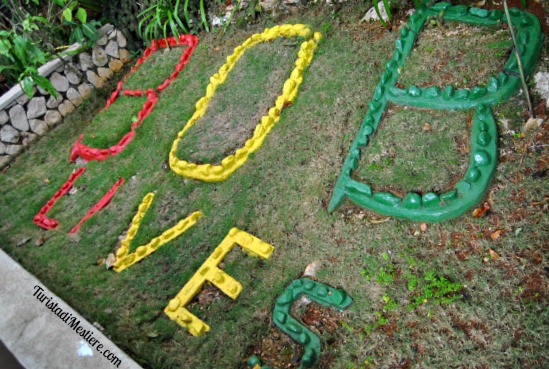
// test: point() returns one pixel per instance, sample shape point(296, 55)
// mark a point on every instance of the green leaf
point(5, 47)
point(45, 84)
point(67, 14)
point(203, 16)
point(27, 85)
point(90, 31)
point(77, 35)
point(82, 15)
point(7, 67)
point(36, 18)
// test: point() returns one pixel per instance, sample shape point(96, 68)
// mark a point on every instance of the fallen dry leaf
point(426, 127)
point(110, 260)
point(496, 235)
point(481, 211)
point(379, 221)
point(310, 270)
point(531, 124)
point(40, 241)
point(23, 241)
point(47, 181)
point(494, 255)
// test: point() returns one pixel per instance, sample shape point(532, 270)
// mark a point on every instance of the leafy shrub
point(33, 31)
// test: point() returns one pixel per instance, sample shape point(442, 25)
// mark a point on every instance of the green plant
point(20, 59)
point(159, 17)
point(34, 32)
point(438, 290)
point(163, 18)
point(82, 30)
point(387, 9)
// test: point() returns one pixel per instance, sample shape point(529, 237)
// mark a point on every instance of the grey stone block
point(59, 82)
point(18, 118)
point(9, 134)
point(36, 107)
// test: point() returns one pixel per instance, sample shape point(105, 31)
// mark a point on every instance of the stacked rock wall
point(23, 120)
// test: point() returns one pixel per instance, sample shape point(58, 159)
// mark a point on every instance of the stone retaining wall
point(23, 120)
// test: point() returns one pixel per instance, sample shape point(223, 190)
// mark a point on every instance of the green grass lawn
point(406, 311)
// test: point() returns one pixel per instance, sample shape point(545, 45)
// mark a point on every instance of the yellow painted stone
point(210, 272)
point(217, 173)
point(125, 259)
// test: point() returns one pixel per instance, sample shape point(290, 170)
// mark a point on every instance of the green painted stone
point(502, 77)
point(448, 92)
point(378, 93)
point(303, 338)
point(459, 9)
point(477, 92)
point(399, 45)
point(483, 138)
point(522, 37)
point(385, 77)
point(359, 188)
point(285, 298)
point(525, 21)
point(253, 361)
point(493, 84)
point(430, 199)
point(414, 91)
point(319, 292)
point(362, 140)
point(322, 291)
point(432, 92)
point(473, 175)
point(482, 13)
point(373, 106)
point(295, 328)
point(441, 6)
point(368, 130)
point(280, 317)
point(449, 196)
point(387, 198)
point(514, 11)
point(495, 14)
point(461, 94)
point(412, 201)
point(482, 158)
point(463, 187)
point(395, 91)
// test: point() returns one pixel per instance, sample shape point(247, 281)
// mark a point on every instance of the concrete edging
point(40, 339)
